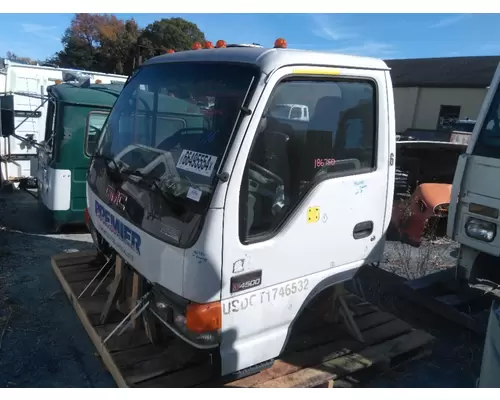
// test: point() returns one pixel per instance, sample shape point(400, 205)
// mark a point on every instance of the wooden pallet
point(318, 355)
point(461, 302)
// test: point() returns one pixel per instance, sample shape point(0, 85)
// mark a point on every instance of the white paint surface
point(54, 188)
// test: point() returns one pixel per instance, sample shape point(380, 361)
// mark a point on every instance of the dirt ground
point(43, 344)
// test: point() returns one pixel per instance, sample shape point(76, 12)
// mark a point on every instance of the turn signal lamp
point(170, 51)
point(202, 318)
point(220, 44)
point(196, 46)
point(280, 43)
point(208, 45)
point(58, 81)
point(98, 81)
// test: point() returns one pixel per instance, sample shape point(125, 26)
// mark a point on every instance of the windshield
point(488, 141)
point(173, 122)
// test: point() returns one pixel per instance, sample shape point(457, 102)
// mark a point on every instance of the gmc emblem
point(116, 197)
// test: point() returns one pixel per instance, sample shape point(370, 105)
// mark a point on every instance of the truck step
point(461, 302)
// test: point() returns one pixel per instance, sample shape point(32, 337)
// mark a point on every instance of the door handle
point(362, 230)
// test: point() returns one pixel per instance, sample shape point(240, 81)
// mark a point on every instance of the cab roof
point(270, 59)
point(103, 95)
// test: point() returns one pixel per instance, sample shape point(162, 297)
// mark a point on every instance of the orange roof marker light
point(220, 44)
point(280, 43)
point(170, 51)
point(196, 46)
point(98, 81)
point(208, 45)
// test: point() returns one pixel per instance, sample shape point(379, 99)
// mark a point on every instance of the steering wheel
point(266, 172)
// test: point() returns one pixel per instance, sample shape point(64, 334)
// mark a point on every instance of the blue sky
point(378, 35)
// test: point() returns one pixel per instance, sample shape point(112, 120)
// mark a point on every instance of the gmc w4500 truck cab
point(238, 220)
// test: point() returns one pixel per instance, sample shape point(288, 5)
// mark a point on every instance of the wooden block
point(66, 259)
point(351, 363)
point(136, 292)
point(182, 379)
point(325, 358)
point(113, 294)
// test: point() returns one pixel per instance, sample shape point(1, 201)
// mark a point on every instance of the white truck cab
point(475, 199)
point(263, 214)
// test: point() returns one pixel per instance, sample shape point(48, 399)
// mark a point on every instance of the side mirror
point(7, 125)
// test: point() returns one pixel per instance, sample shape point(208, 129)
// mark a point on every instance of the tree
point(104, 43)
point(98, 42)
point(169, 33)
point(25, 60)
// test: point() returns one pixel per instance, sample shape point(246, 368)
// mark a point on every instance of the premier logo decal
point(118, 228)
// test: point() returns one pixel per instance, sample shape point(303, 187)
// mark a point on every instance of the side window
point(50, 127)
point(488, 142)
point(50, 122)
point(95, 122)
point(289, 156)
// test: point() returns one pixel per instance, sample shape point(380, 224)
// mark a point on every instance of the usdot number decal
point(267, 296)
point(287, 290)
point(198, 163)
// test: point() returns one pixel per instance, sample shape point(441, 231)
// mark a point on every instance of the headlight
point(198, 323)
point(481, 230)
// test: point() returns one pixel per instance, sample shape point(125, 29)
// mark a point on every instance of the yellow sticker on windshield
point(316, 71)
point(312, 215)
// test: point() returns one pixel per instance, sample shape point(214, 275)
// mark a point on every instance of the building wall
point(418, 108)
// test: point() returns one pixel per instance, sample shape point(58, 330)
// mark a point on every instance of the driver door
point(305, 205)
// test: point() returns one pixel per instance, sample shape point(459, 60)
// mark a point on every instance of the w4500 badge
point(198, 163)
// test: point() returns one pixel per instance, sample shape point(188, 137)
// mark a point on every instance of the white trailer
point(28, 86)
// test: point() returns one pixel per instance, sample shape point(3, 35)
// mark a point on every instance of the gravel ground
point(43, 344)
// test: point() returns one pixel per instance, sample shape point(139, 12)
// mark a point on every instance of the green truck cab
point(75, 116)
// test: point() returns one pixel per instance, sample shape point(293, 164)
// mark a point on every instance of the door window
point(289, 157)
point(448, 116)
point(50, 124)
point(95, 122)
point(488, 142)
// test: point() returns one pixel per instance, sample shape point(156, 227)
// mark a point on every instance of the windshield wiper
point(114, 173)
point(173, 202)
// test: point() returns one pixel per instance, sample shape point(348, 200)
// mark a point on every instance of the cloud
point(368, 49)
point(42, 31)
point(448, 21)
point(326, 28)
